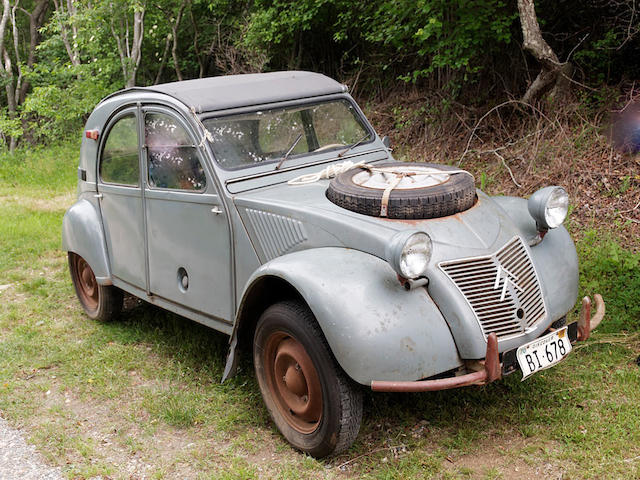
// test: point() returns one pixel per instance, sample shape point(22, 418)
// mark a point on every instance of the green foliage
point(427, 35)
point(454, 35)
point(60, 111)
point(9, 127)
point(471, 49)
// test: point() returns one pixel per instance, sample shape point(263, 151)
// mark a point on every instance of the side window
point(119, 162)
point(172, 159)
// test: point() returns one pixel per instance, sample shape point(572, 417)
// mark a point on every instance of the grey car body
point(249, 237)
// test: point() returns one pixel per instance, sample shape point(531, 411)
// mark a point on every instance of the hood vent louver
point(275, 234)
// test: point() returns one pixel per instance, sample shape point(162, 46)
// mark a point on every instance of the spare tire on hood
point(404, 190)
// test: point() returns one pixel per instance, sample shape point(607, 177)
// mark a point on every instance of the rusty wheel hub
point(293, 382)
point(87, 285)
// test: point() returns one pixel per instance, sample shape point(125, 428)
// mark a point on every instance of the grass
point(142, 396)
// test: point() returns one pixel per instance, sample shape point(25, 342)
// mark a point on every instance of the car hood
point(284, 218)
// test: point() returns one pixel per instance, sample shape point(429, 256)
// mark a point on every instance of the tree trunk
point(6, 68)
point(196, 44)
point(36, 20)
point(130, 55)
point(72, 50)
point(551, 67)
point(174, 48)
point(136, 48)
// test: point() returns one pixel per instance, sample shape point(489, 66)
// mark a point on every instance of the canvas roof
point(231, 91)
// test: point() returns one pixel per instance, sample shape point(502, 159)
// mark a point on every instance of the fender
point(82, 234)
point(375, 328)
point(554, 258)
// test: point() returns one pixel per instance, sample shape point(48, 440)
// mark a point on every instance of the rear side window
point(172, 159)
point(120, 155)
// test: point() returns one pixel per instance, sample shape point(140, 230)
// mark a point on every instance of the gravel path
point(19, 461)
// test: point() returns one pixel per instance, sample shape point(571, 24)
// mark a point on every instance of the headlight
point(549, 207)
point(409, 254)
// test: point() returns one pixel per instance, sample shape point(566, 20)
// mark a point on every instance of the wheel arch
point(374, 327)
point(83, 235)
point(263, 292)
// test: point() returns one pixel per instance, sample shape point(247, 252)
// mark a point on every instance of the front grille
point(502, 289)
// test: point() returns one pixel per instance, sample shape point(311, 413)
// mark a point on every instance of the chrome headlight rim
point(543, 201)
point(403, 244)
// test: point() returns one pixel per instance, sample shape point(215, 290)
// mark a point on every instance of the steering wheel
point(327, 147)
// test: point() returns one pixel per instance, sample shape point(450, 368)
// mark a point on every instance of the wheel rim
point(293, 382)
point(87, 285)
point(410, 177)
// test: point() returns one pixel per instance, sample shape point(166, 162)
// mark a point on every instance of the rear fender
point(375, 328)
point(82, 234)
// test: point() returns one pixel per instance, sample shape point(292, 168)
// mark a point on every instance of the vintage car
point(266, 207)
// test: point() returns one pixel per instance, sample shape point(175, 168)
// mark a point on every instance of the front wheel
point(313, 403)
point(100, 302)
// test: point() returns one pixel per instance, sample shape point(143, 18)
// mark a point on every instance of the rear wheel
point(313, 403)
point(100, 302)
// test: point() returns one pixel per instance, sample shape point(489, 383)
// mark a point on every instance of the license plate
point(544, 352)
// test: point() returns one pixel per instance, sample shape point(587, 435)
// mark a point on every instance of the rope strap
point(207, 134)
point(329, 172)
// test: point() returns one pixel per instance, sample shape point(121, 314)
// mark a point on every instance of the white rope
point(328, 172)
point(427, 171)
point(207, 134)
point(338, 168)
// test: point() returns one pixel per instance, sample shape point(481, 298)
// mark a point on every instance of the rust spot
point(492, 371)
point(408, 344)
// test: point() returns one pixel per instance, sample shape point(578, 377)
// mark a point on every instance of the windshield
point(248, 139)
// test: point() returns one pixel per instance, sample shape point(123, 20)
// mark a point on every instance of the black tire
point(322, 430)
point(453, 196)
point(100, 302)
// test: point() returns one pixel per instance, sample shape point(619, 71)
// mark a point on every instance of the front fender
point(82, 234)
point(555, 258)
point(375, 328)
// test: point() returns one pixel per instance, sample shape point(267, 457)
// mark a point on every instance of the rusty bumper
point(491, 367)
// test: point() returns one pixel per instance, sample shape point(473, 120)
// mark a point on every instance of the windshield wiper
point(286, 155)
point(354, 145)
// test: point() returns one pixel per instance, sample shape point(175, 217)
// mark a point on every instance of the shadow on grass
point(553, 406)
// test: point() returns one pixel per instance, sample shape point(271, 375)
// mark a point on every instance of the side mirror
point(386, 142)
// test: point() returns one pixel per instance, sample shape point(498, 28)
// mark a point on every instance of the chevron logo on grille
point(506, 278)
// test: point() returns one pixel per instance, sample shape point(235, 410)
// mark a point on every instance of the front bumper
point(492, 368)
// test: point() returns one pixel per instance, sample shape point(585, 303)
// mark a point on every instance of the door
point(121, 198)
point(188, 233)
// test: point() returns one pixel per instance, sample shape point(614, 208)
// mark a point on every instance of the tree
point(552, 70)
point(129, 46)
point(12, 66)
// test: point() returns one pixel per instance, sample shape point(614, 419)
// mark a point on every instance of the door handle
point(217, 210)
point(98, 195)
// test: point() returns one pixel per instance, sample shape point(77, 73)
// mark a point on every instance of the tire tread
point(349, 392)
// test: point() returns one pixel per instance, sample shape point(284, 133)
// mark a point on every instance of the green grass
point(143, 393)
point(614, 272)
